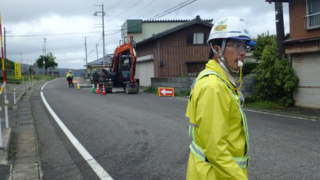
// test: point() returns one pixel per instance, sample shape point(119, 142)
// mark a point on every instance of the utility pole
point(280, 28)
point(44, 52)
point(85, 43)
point(97, 51)
point(5, 52)
point(103, 14)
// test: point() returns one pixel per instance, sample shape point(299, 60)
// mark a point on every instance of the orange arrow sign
point(162, 91)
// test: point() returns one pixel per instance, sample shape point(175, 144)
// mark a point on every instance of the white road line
point(279, 115)
point(96, 167)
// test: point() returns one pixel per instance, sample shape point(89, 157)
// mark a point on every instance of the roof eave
point(172, 30)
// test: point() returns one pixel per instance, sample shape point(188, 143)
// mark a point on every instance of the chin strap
point(225, 64)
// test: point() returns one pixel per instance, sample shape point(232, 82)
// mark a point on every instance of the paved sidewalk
point(26, 164)
point(19, 138)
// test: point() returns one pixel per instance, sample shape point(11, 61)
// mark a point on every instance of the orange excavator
point(122, 70)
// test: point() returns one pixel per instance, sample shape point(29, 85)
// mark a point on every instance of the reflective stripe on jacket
point(216, 128)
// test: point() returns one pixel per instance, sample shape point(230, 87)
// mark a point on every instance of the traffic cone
point(103, 90)
point(97, 90)
point(93, 89)
point(78, 86)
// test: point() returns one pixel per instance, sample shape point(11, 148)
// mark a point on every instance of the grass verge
point(150, 89)
point(262, 105)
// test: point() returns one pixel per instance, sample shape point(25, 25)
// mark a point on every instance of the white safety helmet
point(70, 71)
point(230, 27)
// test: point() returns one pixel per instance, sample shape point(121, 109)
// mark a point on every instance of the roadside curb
point(274, 112)
point(26, 163)
point(6, 140)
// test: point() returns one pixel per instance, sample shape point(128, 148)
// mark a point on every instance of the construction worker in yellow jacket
point(218, 126)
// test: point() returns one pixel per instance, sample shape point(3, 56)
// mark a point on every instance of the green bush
point(150, 89)
point(183, 93)
point(275, 78)
point(262, 41)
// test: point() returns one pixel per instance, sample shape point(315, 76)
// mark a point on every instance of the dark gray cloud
point(65, 23)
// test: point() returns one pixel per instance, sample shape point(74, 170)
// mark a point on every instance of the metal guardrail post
point(14, 97)
point(6, 102)
point(1, 144)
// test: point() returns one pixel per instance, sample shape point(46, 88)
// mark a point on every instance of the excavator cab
point(124, 67)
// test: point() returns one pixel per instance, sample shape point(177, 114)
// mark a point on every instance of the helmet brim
point(251, 42)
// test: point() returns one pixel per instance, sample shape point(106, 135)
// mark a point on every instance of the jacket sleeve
point(212, 116)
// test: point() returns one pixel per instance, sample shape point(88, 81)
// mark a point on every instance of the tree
point(49, 61)
point(9, 65)
point(262, 41)
point(275, 78)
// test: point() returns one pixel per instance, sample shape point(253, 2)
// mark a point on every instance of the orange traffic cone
point(97, 89)
point(103, 90)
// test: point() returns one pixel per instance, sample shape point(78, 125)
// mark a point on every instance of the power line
point(140, 9)
point(173, 9)
point(127, 9)
point(94, 48)
point(63, 34)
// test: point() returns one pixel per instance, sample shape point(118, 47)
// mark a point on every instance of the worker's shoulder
point(209, 83)
point(210, 80)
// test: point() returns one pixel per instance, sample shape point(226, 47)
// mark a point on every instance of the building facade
point(181, 50)
point(303, 50)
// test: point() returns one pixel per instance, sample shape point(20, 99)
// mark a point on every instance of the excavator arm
point(125, 49)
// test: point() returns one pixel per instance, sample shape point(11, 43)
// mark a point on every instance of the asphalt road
point(144, 136)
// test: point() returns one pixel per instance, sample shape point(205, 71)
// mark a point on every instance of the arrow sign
point(162, 91)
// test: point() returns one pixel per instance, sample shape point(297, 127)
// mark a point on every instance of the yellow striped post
point(2, 57)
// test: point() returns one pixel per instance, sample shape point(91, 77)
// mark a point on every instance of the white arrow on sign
point(164, 91)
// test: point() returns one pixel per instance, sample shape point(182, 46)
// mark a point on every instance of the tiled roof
point(100, 61)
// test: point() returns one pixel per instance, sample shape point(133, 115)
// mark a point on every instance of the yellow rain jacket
point(219, 130)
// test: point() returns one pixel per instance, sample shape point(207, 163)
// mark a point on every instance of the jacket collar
point(213, 65)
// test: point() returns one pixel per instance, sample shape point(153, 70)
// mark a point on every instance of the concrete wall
point(184, 83)
point(178, 83)
point(247, 87)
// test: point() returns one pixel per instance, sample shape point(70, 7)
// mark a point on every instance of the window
point(195, 38)
point(312, 19)
point(193, 69)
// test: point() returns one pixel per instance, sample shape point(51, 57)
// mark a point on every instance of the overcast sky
point(65, 23)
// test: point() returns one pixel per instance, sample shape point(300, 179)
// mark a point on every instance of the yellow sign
point(17, 70)
point(221, 28)
point(164, 91)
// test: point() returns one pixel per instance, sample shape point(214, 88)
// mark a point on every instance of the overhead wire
point(173, 9)
point(127, 9)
